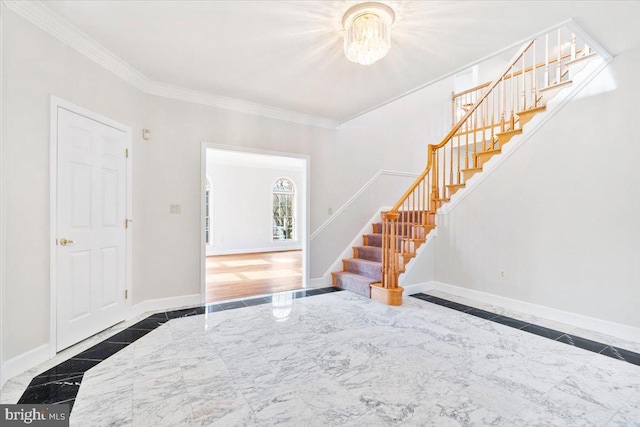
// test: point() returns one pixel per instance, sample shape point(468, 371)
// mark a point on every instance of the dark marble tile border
point(552, 334)
point(61, 383)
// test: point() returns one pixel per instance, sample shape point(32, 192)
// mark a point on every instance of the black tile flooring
point(594, 346)
point(60, 384)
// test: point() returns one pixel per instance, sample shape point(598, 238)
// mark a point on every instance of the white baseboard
point(164, 304)
point(573, 319)
point(416, 288)
point(254, 250)
point(23, 362)
point(318, 282)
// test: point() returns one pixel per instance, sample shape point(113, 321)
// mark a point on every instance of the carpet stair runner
point(365, 267)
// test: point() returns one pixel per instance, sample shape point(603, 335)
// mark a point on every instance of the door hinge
point(126, 294)
point(126, 223)
point(126, 153)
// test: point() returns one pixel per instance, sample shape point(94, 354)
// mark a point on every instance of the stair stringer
point(357, 241)
point(562, 98)
point(406, 279)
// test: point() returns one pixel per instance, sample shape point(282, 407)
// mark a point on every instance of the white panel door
point(91, 214)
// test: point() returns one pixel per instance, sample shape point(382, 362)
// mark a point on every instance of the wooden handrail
point(493, 84)
point(458, 125)
point(417, 182)
point(500, 111)
point(507, 77)
point(470, 90)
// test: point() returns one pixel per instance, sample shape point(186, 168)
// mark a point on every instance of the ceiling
point(288, 54)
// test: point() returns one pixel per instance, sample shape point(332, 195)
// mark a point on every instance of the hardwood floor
point(243, 275)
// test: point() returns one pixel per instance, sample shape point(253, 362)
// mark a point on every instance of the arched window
point(207, 211)
point(283, 209)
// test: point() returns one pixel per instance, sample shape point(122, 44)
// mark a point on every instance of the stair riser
point(525, 118)
point(405, 227)
point(453, 189)
point(376, 240)
point(466, 175)
point(428, 218)
point(370, 253)
point(350, 285)
point(483, 158)
point(578, 64)
point(548, 93)
point(421, 231)
point(503, 139)
point(407, 252)
point(372, 271)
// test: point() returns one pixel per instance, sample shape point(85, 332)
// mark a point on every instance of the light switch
point(175, 209)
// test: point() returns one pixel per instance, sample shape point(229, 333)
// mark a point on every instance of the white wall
point(243, 205)
point(560, 216)
point(34, 66)
point(179, 128)
point(166, 248)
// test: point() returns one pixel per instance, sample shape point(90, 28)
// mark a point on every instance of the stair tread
point(472, 169)
point(363, 261)
point(556, 85)
point(590, 55)
point(497, 150)
point(532, 110)
point(507, 132)
point(462, 184)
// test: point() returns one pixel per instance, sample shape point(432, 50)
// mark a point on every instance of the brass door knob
point(66, 242)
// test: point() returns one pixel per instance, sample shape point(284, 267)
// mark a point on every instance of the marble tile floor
point(562, 327)
point(341, 359)
point(568, 336)
point(15, 387)
point(58, 380)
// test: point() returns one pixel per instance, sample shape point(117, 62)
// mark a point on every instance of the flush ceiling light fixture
point(367, 35)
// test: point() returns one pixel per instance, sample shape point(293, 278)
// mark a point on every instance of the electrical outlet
point(175, 209)
point(502, 274)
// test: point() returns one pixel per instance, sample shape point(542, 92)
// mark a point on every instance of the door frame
point(57, 103)
point(306, 224)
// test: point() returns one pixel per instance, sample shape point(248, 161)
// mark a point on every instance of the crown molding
point(44, 18)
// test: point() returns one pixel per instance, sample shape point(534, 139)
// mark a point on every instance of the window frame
point(274, 191)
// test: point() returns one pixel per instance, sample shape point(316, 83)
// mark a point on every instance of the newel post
point(388, 292)
point(389, 250)
point(435, 188)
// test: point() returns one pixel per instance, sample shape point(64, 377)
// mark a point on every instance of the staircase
point(485, 118)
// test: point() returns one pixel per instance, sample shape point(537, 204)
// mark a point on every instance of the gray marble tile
point(341, 359)
point(628, 415)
